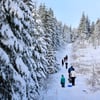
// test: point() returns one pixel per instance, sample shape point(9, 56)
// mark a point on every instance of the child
point(62, 81)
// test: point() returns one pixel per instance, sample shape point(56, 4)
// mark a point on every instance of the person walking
point(66, 57)
point(62, 81)
point(73, 76)
point(66, 61)
point(62, 62)
point(69, 73)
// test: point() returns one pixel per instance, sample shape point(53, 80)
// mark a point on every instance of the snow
point(4, 56)
point(6, 28)
point(81, 90)
point(21, 66)
point(31, 63)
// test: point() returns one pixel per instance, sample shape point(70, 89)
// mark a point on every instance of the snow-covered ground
point(81, 90)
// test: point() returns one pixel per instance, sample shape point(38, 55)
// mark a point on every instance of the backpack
point(73, 74)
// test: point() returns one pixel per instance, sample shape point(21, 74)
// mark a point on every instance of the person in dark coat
point(66, 57)
point(62, 62)
point(62, 81)
point(66, 61)
point(66, 64)
point(69, 73)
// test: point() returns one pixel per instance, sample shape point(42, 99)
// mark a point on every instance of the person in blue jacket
point(62, 81)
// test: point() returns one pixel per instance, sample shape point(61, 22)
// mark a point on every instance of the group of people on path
point(71, 73)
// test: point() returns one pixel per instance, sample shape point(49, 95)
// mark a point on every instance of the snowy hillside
point(87, 66)
point(87, 61)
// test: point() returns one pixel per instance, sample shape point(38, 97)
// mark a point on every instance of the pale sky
point(70, 11)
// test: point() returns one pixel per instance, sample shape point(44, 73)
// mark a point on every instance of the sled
point(69, 85)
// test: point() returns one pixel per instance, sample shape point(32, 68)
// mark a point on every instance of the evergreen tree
point(92, 27)
point(84, 27)
point(23, 43)
point(97, 31)
point(49, 22)
point(65, 31)
point(82, 24)
point(88, 30)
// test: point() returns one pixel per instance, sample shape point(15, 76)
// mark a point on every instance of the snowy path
point(77, 92)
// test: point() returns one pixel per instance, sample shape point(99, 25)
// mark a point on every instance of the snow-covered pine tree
point(92, 37)
point(84, 27)
point(84, 30)
point(88, 27)
point(97, 32)
point(92, 27)
point(23, 50)
point(82, 24)
point(65, 33)
point(74, 34)
point(55, 26)
point(59, 31)
point(47, 18)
